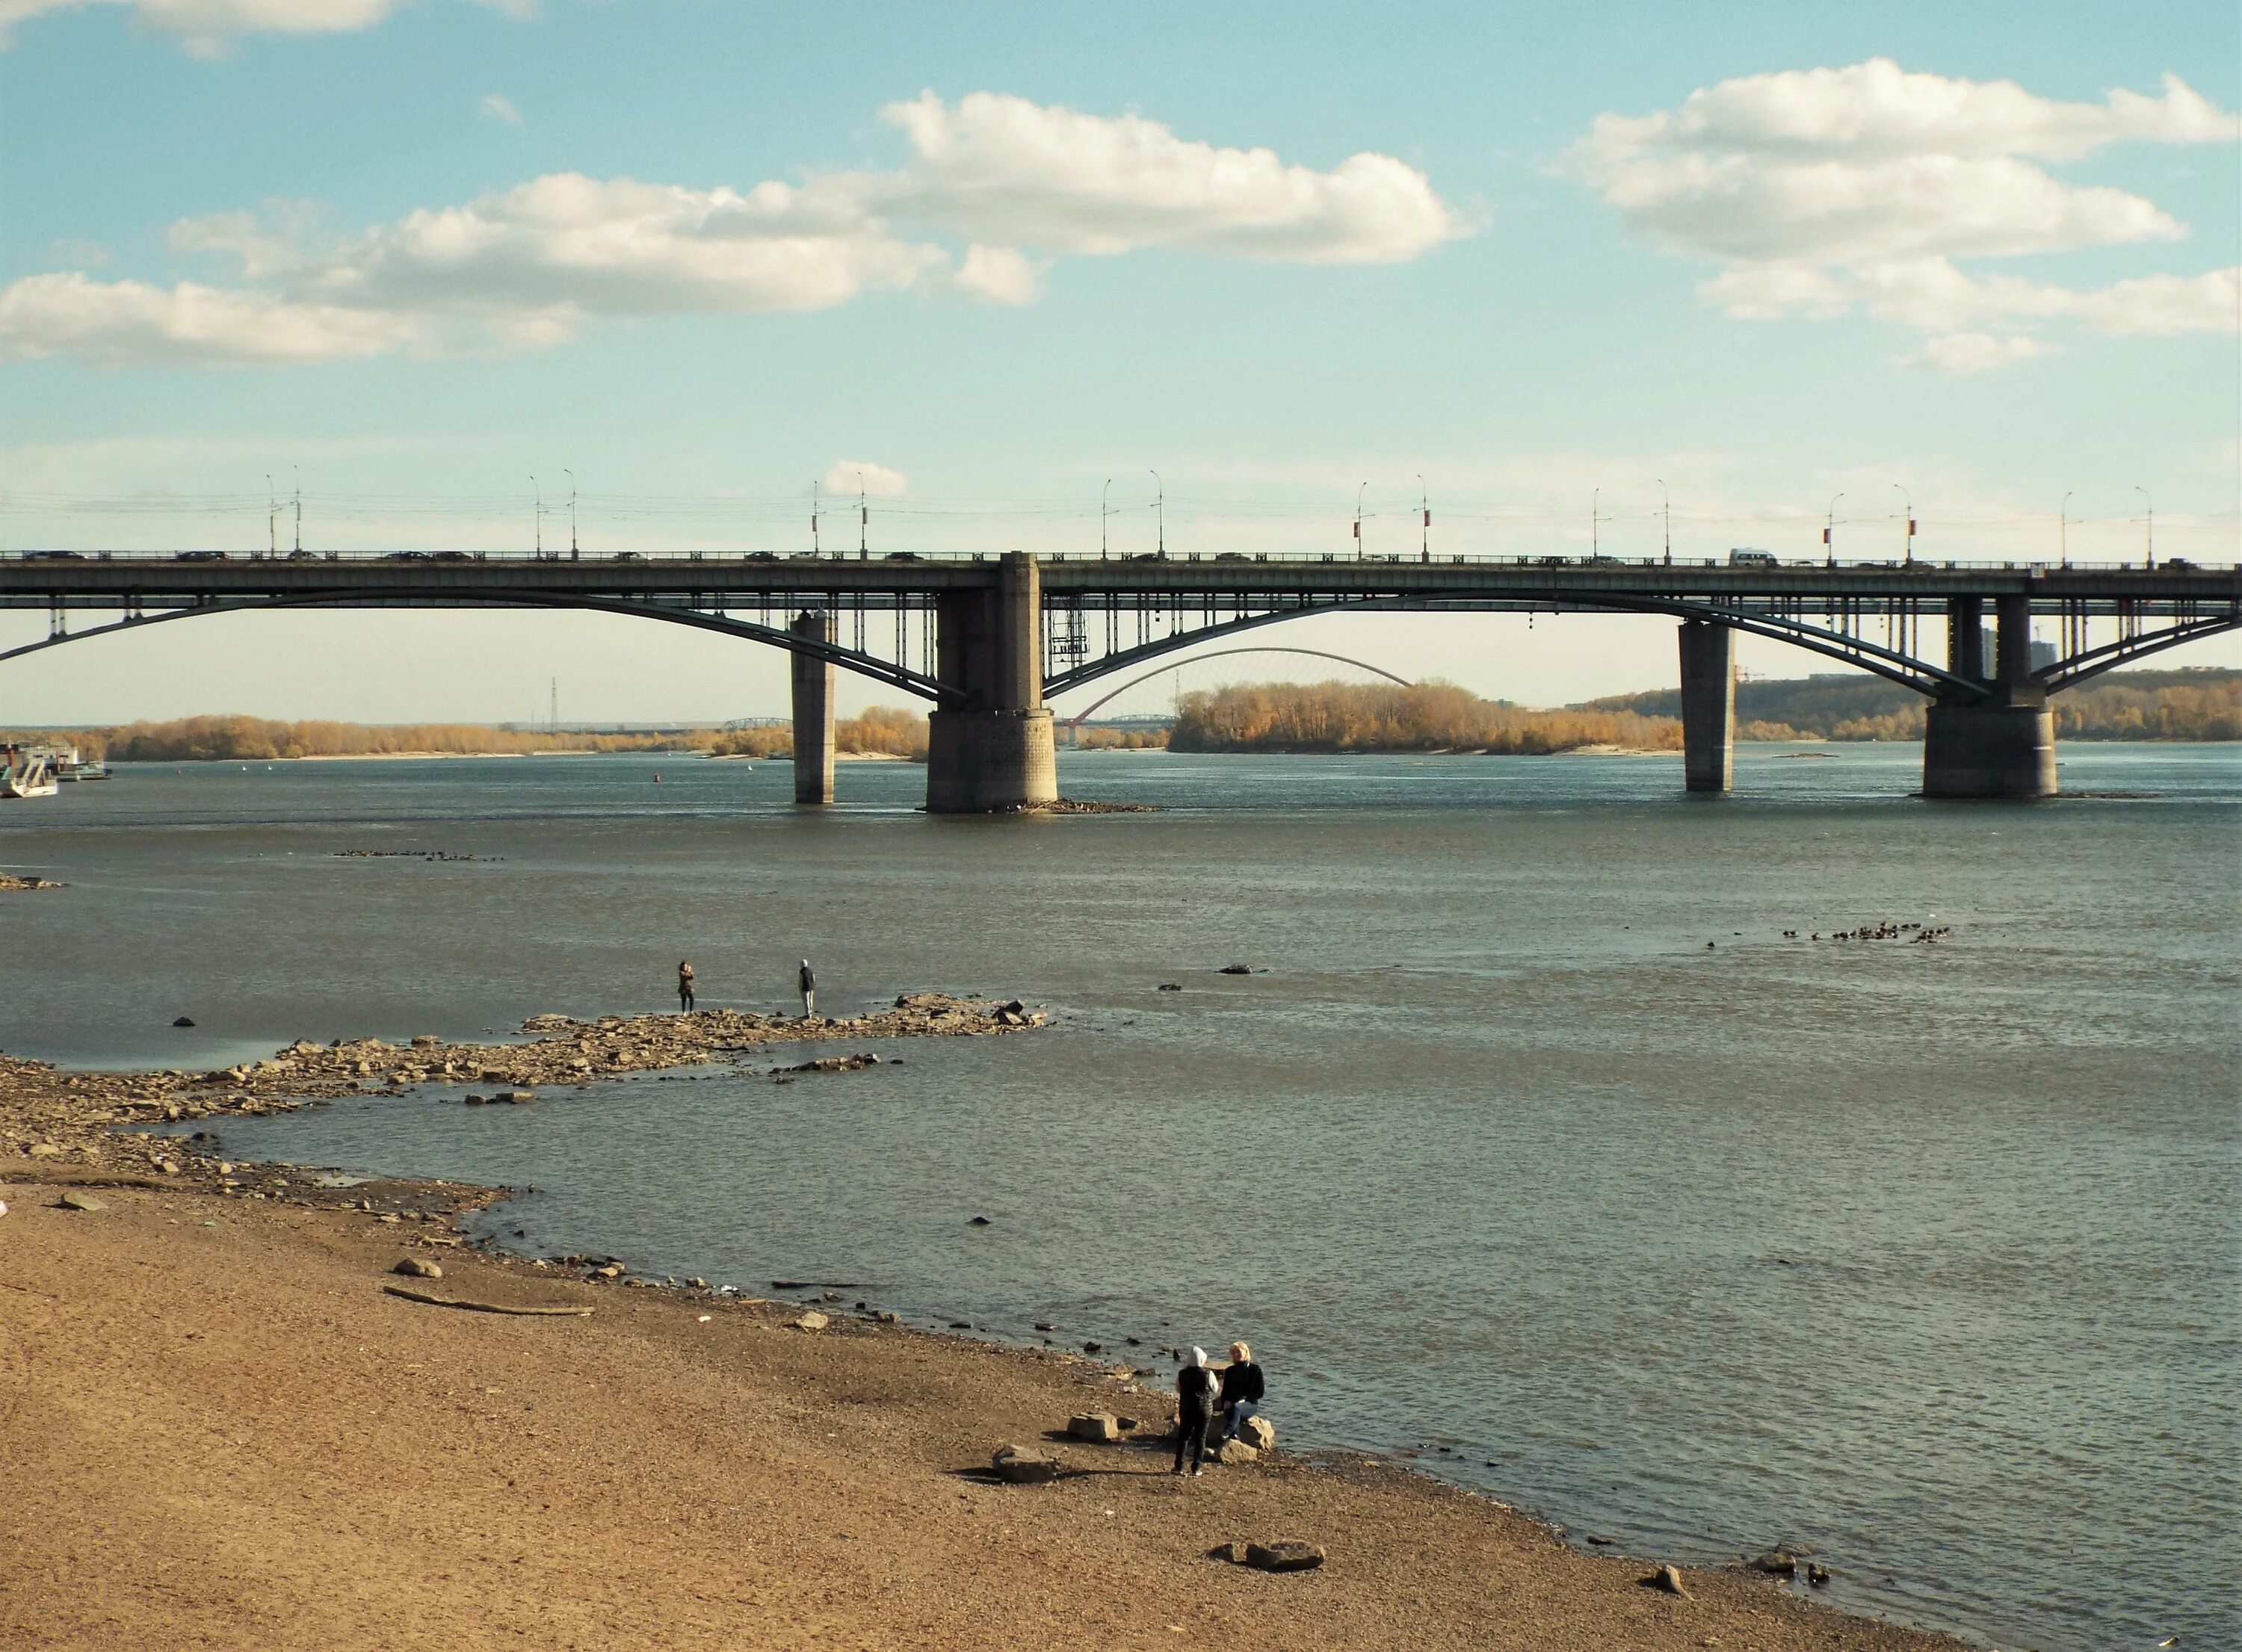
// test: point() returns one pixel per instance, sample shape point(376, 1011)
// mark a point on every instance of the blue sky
point(1503, 248)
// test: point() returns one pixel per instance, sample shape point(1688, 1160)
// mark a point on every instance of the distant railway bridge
point(988, 638)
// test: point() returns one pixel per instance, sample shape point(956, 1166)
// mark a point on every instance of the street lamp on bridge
point(537, 519)
point(1829, 531)
point(1358, 520)
point(571, 475)
point(1104, 511)
point(1424, 521)
point(1160, 512)
point(2063, 529)
point(1666, 508)
point(1909, 499)
point(2151, 541)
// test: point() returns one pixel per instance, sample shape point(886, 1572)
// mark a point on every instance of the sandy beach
point(225, 1431)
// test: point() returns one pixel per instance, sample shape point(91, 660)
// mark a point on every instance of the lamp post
point(1424, 521)
point(1104, 512)
point(537, 519)
point(1909, 499)
point(863, 520)
point(1595, 523)
point(571, 475)
point(1160, 512)
point(1666, 508)
point(2063, 529)
point(1829, 531)
point(296, 477)
point(815, 550)
point(272, 518)
point(1358, 520)
point(2152, 540)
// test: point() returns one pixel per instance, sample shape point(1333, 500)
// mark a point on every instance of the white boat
point(28, 776)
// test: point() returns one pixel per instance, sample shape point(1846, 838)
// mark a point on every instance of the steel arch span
point(1082, 716)
point(888, 671)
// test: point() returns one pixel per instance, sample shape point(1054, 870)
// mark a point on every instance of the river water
point(1926, 1258)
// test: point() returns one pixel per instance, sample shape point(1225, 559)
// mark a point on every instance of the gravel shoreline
point(816, 1485)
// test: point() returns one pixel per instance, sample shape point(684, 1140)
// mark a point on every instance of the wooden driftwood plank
point(433, 1300)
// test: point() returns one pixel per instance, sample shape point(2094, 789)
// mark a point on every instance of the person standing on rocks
point(1194, 1402)
point(684, 989)
point(1241, 1390)
point(809, 991)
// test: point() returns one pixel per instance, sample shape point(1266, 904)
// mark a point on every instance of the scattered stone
point(1045, 1325)
point(1235, 1453)
point(812, 1321)
point(1024, 1466)
point(184, 1021)
point(612, 1270)
point(424, 1040)
point(1171, 986)
point(1101, 1427)
point(417, 1267)
point(1234, 1554)
point(1778, 1562)
point(979, 1222)
point(1093, 1347)
point(43, 1150)
point(1235, 969)
point(472, 1100)
point(1288, 1555)
point(1818, 1575)
point(1667, 1580)
point(517, 1098)
point(1259, 1433)
point(85, 1201)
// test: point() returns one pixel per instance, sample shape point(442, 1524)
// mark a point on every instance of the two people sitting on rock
point(684, 989)
point(1237, 1392)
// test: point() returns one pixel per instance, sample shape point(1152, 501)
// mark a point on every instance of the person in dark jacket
point(1194, 1404)
point(1241, 1390)
point(809, 981)
point(685, 989)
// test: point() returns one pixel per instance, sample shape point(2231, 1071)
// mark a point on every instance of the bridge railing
point(1335, 559)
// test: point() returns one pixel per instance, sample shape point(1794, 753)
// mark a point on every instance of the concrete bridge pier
point(812, 713)
point(1708, 706)
point(994, 750)
point(1998, 742)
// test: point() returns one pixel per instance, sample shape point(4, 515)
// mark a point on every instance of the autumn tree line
point(2193, 705)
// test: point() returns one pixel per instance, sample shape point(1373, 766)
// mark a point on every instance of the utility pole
point(1424, 521)
point(2063, 529)
point(537, 518)
point(1909, 498)
point(1595, 525)
point(2143, 492)
point(1358, 521)
point(1103, 512)
point(864, 519)
point(1160, 513)
point(1829, 531)
point(272, 518)
point(815, 549)
point(1669, 508)
point(299, 479)
point(571, 475)
point(554, 705)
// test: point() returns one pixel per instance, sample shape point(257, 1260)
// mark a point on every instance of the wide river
point(1532, 1146)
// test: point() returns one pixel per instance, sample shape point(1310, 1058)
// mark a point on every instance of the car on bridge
point(199, 555)
point(1743, 557)
point(54, 556)
point(405, 556)
point(454, 556)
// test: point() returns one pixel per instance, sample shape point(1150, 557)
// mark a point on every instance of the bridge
point(986, 638)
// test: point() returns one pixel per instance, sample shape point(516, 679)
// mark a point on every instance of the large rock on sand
point(417, 1267)
point(1287, 1555)
point(1234, 1451)
point(1024, 1466)
point(1101, 1427)
point(1259, 1433)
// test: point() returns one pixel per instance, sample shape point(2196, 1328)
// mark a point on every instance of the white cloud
point(877, 481)
point(1005, 169)
point(1826, 190)
point(1972, 352)
point(206, 28)
point(116, 322)
point(524, 268)
point(498, 107)
point(997, 275)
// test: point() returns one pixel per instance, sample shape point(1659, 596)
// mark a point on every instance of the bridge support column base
point(984, 762)
point(1989, 751)
point(813, 715)
point(1709, 707)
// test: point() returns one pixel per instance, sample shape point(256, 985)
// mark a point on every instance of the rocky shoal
point(85, 1120)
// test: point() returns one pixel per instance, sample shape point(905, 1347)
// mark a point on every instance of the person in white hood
point(809, 982)
point(1194, 1402)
